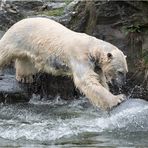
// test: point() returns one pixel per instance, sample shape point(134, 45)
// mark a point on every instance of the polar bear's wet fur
point(41, 44)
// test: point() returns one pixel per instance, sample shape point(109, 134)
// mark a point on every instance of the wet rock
point(48, 86)
point(10, 90)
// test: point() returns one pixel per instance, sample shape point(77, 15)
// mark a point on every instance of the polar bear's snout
point(120, 79)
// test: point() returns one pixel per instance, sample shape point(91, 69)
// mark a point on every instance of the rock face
point(123, 23)
point(49, 87)
point(10, 91)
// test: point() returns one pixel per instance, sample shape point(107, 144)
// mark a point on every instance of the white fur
point(40, 44)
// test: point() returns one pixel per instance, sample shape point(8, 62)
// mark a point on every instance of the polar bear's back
point(36, 26)
point(40, 36)
point(36, 33)
point(39, 24)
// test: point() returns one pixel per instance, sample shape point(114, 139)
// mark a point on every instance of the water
point(76, 123)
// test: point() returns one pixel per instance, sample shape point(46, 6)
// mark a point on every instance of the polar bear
point(41, 44)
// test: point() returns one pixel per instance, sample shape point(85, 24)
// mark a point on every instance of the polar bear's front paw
point(25, 79)
point(118, 99)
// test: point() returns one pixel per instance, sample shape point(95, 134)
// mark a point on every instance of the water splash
point(48, 121)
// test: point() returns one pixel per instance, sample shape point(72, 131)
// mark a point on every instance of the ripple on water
point(48, 121)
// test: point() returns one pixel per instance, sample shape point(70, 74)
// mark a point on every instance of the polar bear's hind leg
point(5, 58)
point(25, 70)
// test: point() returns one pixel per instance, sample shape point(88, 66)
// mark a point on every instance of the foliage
point(134, 28)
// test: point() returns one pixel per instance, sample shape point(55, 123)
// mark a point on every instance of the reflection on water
point(73, 123)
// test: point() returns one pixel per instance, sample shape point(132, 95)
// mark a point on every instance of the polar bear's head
point(114, 67)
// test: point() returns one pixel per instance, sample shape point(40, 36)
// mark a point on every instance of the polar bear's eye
point(109, 55)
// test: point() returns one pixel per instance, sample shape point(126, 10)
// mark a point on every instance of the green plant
point(134, 28)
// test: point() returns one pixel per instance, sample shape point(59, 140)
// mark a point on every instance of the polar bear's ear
point(109, 56)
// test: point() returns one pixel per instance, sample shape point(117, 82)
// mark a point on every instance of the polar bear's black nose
point(119, 80)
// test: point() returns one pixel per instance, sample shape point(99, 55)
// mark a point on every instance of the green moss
point(64, 1)
point(68, 1)
point(54, 12)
